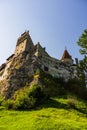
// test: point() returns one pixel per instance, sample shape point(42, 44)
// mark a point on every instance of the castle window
point(46, 68)
point(56, 67)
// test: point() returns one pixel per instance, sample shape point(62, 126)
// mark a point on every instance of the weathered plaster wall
point(56, 67)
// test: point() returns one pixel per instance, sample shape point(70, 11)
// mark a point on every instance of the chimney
point(76, 60)
point(44, 48)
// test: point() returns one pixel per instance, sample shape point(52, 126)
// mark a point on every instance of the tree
point(82, 42)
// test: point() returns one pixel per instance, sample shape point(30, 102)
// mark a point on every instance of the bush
point(8, 104)
point(1, 100)
point(36, 91)
point(72, 102)
point(24, 102)
point(75, 87)
point(28, 98)
point(53, 86)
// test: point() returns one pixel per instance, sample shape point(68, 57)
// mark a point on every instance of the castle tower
point(66, 57)
point(40, 51)
point(24, 43)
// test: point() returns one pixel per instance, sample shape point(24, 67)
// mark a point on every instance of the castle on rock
point(27, 58)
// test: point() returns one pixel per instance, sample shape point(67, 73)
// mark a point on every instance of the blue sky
point(54, 23)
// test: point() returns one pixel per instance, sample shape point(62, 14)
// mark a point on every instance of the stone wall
point(58, 69)
point(24, 43)
point(55, 67)
point(21, 47)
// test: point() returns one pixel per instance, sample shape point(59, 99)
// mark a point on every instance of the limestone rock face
point(21, 66)
point(20, 72)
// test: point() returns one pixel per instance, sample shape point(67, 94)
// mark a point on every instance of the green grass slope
point(55, 114)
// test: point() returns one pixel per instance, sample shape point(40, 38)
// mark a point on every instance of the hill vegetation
point(46, 104)
point(42, 88)
point(55, 114)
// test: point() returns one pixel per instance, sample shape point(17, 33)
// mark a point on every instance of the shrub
point(53, 86)
point(72, 102)
point(24, 102)
point(8, 104)
point(1, 100)
point(28, 98)
point(75, 87)
point(36, 91)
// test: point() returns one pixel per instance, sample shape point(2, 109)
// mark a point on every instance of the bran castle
point(57, 68)
point(27, 58)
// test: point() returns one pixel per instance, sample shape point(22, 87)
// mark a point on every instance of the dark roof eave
point(10, 57)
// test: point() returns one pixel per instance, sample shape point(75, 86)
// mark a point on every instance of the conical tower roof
point(66, 55)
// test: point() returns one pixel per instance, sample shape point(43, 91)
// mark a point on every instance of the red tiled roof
point(66, 55)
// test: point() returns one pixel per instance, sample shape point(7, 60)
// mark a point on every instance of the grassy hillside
point(65, 106)
point(60, 113)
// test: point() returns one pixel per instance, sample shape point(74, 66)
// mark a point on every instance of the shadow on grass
point(55, 104)
point(83, 111)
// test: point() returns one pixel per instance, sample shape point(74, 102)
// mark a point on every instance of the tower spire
point(65, 48)
point(66, 57)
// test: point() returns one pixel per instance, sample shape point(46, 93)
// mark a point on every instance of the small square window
point(46, 68)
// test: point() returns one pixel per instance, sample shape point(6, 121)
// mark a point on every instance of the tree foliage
point(82, 42)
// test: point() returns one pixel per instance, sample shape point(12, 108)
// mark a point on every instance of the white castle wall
point(57, 68)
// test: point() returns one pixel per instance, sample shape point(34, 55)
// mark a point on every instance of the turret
point(66, 57)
